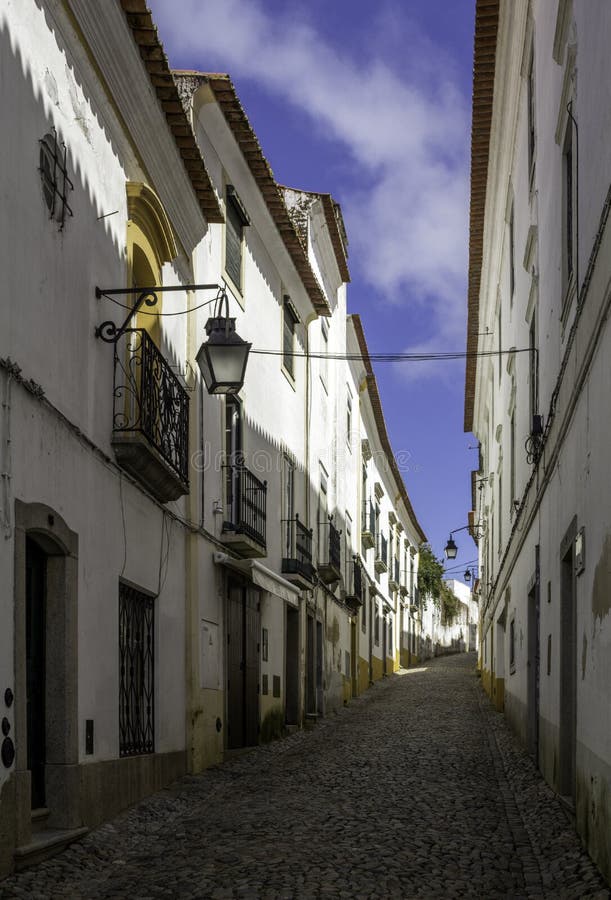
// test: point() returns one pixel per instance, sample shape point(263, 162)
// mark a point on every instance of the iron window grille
point(54, 177)
point(136, 672)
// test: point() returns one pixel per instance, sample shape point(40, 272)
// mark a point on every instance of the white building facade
point(538, 306)
point(183, 574)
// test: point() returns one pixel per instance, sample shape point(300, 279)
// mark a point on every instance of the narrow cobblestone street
point(417, 789)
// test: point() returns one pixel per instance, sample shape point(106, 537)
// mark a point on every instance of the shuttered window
point(235, 221)
point(288, 345)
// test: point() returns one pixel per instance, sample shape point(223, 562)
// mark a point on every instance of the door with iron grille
point(243, 665)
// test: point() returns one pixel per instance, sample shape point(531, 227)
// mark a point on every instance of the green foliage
point(430, 575)
point(449, 604)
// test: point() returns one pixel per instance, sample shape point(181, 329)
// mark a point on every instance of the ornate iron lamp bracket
point(109, 332)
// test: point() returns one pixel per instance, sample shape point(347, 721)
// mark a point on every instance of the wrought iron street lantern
point(451, 549)
point(222, 358)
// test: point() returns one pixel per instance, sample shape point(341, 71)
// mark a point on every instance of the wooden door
point(243, 648)
point(36, 567)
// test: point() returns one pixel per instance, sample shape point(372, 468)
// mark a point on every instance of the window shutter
point(233, 245)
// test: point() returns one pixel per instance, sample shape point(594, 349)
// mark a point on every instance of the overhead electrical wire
point(374, 357)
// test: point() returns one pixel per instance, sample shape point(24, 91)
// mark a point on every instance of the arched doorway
point(46, 642)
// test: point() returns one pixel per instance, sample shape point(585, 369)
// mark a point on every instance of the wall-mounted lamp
point(451, 549)
point(222, 358)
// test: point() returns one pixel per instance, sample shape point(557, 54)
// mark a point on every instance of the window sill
point(236, 292)
point(290, 378)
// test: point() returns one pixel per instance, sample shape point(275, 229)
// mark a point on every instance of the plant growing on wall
point(449, 604)
point(430, 575)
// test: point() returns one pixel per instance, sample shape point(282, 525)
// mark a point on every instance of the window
point(512, 647)
point(568, 214)
point(348, 417)
point(324, 349)
point(288, 488)
point(235, 221)
point(499, 330)
point(136, 672)
point(364, 611)
point(54, 176)
point(376, 626)
point(289, 323)
point(348, 550)
point(500, 530)
point(532, 136)
point(512, 457)
point(323, 513)
point(533, 360)
point(512, 255)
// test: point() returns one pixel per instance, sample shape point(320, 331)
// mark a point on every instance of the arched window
point(150, 244)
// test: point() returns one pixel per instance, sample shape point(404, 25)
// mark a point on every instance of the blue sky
point(371, 103)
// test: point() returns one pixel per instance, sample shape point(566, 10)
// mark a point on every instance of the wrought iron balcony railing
point(381, 560)
point(151, 417)
point(246, 501)
point(368, 525)
point(297, 549)
point(394, 576)
point(330, 555)
point(354, 586)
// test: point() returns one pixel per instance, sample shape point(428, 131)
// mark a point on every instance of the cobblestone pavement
point(417, 789)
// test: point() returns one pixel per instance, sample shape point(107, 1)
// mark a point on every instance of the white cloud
point(407, 136)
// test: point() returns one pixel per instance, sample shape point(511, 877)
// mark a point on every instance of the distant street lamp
point(451, 549)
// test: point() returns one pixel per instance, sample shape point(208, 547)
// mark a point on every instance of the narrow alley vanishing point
point(417, 789)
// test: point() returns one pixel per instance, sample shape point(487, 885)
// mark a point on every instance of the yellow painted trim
point(145, 210)
point(378, 668)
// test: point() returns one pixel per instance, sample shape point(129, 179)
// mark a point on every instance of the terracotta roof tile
point(484, 61)
point(156, 64)
point(229, 104)
point(378, 413)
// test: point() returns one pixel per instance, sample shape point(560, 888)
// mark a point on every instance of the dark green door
point(36, 576)
point(243, 664)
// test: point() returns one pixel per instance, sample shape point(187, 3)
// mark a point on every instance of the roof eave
point(484, 62)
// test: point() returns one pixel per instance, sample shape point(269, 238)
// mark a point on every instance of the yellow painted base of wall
point(486, 681)
point(390, 665)
point(397, 665)
point(378, 668)
point(404, 658)
point(495, 688)
point(498, 694)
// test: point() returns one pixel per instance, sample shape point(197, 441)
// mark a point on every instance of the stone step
point(39, 819)
point(46, 843)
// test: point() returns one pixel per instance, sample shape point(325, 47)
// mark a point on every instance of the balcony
point(394, 576)
point(381, 560)
point(368, 527)
point(330, 558)
point(354, 588)
point(150, 433)
point(245, 511)
point(297, 553)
